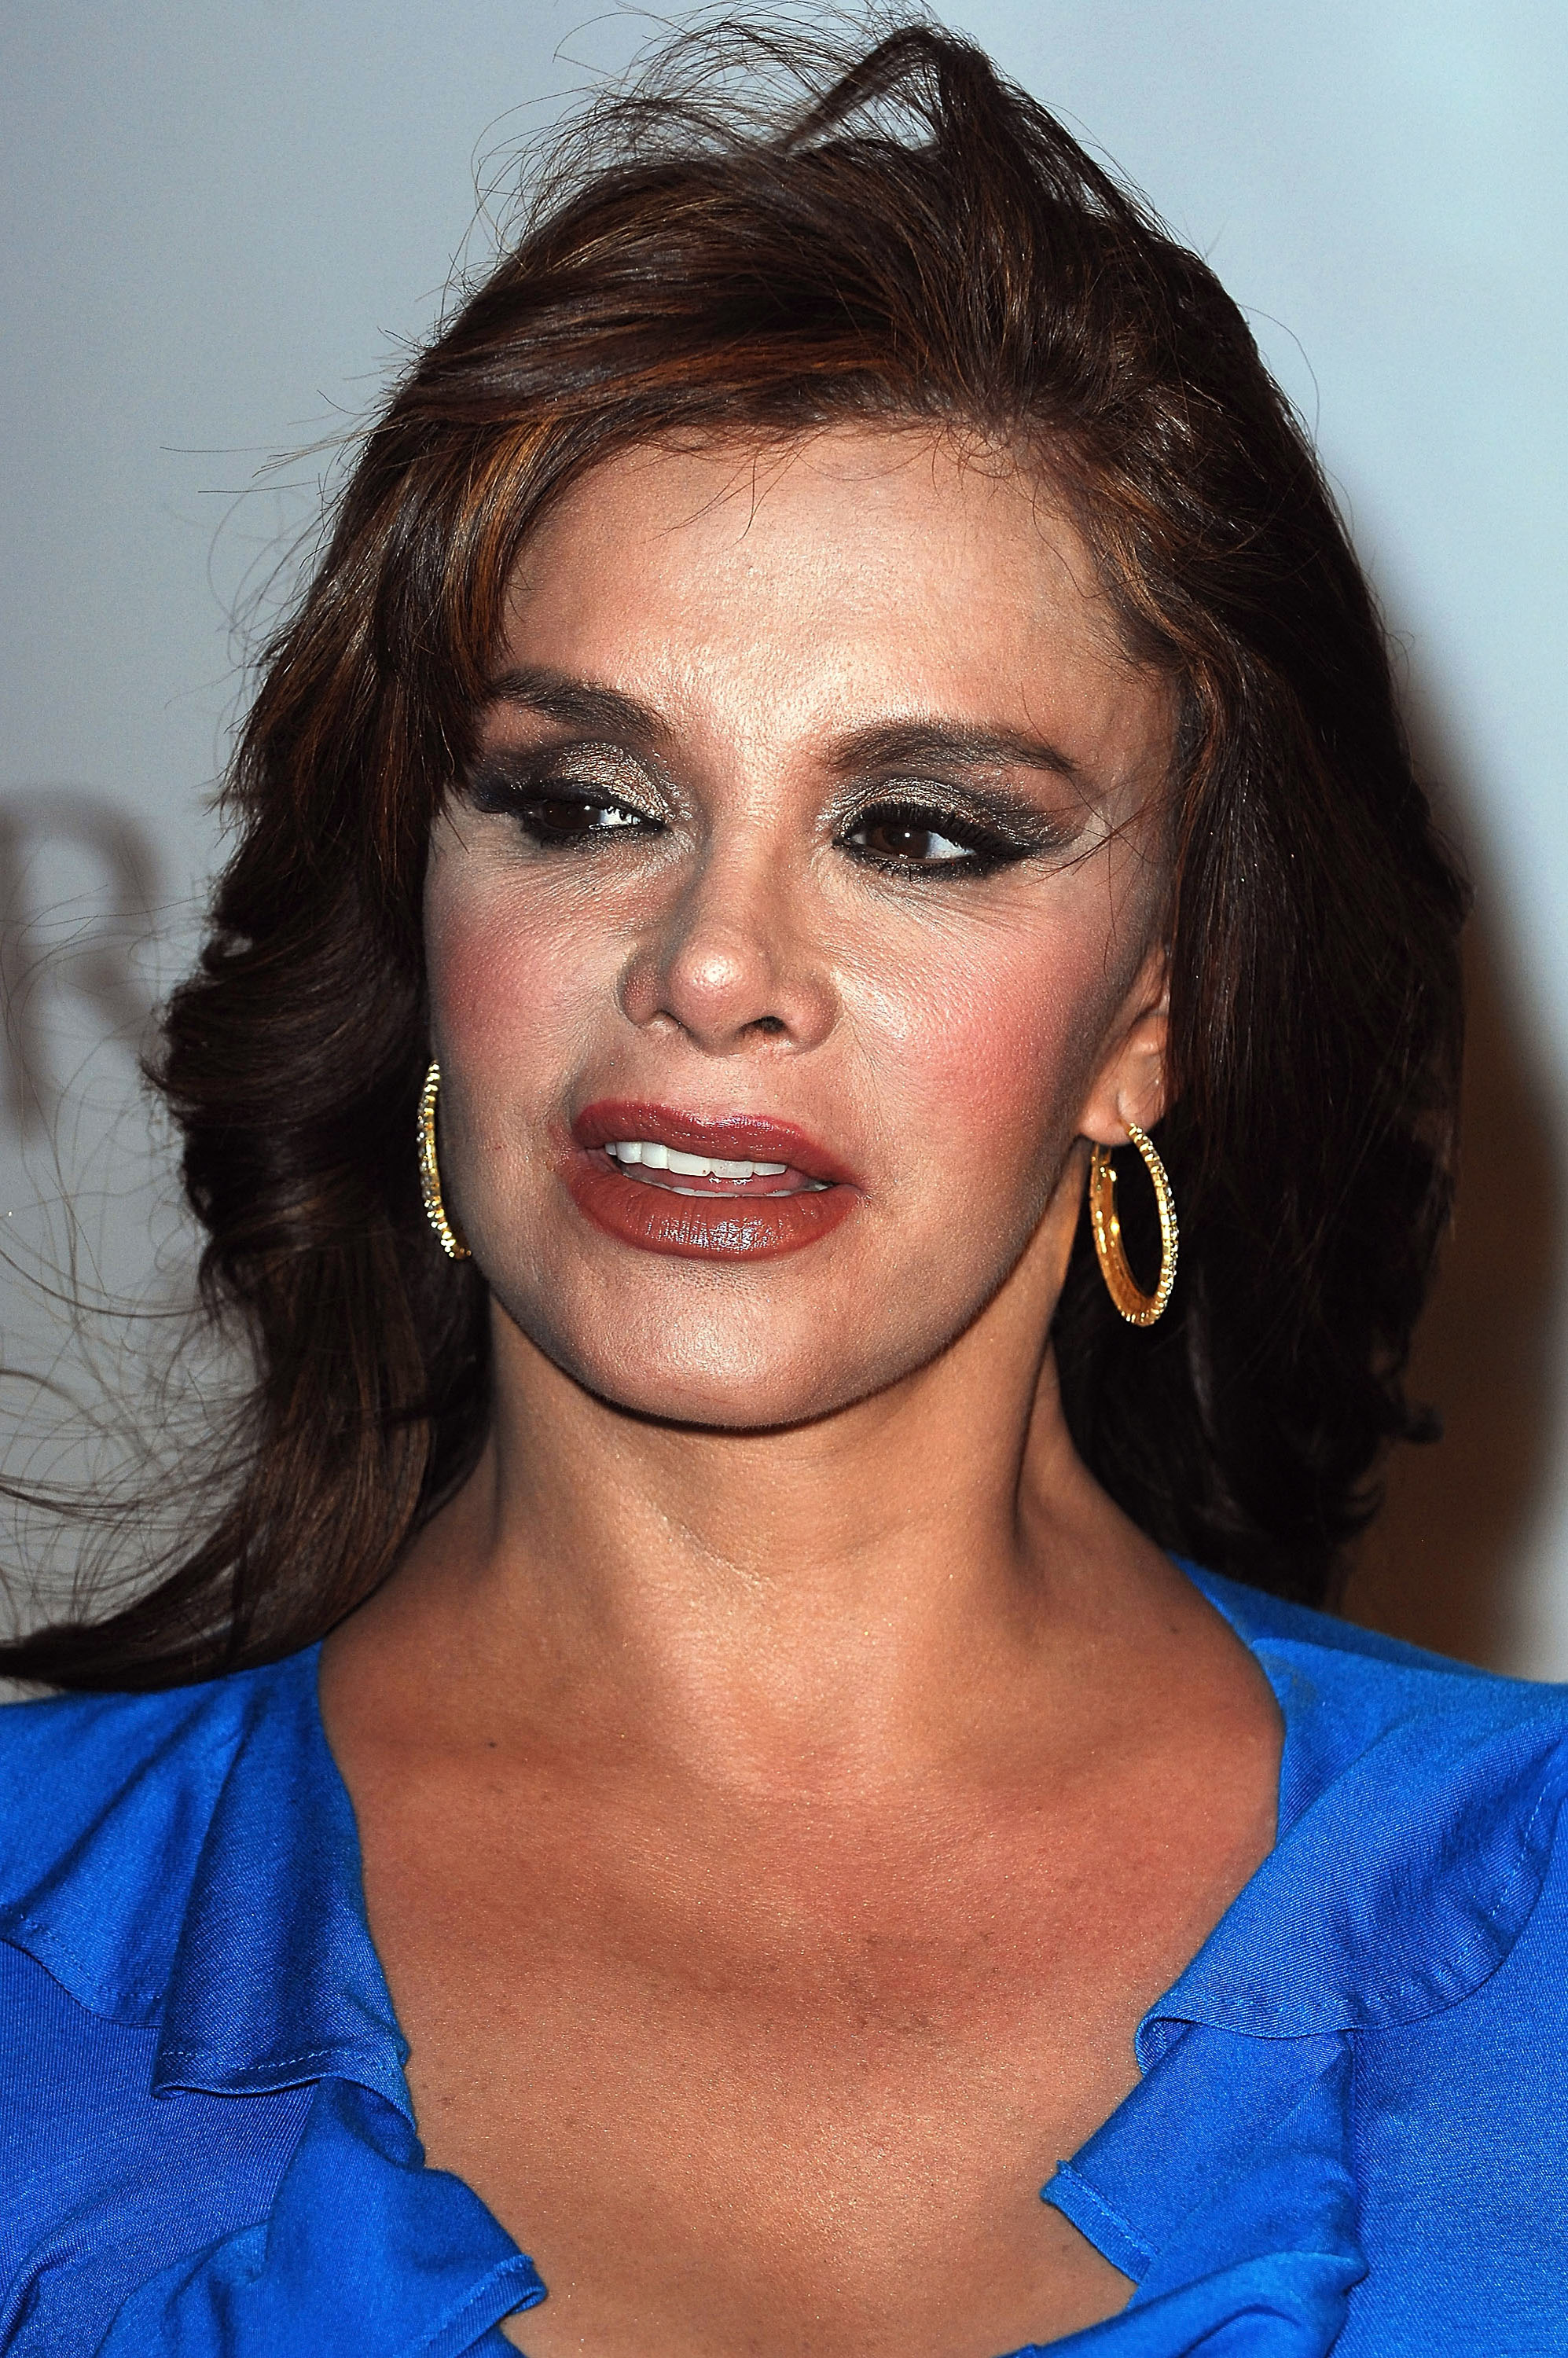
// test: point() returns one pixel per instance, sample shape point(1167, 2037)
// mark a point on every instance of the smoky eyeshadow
point(998, 824)
point(1006, 825)
point(508, 778)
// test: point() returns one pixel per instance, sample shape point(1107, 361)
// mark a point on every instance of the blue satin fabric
point(1350, 2133)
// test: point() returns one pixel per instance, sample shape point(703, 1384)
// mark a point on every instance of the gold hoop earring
point(452, 1244)
point(1140, 1309)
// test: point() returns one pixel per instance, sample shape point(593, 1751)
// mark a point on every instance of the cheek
point(988, 1050)
point(512, 987)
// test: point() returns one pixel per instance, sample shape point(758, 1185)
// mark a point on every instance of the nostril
point(769, 1023)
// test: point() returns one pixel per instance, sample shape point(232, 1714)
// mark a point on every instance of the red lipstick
point(804, 1195)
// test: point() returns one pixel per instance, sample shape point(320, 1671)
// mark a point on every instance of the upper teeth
point(659, 1157)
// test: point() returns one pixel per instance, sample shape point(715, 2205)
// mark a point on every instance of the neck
point(832, 1590)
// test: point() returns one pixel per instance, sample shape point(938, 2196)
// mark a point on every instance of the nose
point(732, 959)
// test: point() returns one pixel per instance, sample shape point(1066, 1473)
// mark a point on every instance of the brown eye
point(897, 839)
point(913, 838)
point(577, 819)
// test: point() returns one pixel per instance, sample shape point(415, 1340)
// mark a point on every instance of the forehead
point(894, 572)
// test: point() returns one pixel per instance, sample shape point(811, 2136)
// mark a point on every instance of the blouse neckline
point(188, 1862)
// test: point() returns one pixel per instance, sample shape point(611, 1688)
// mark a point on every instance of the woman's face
point(811, 837)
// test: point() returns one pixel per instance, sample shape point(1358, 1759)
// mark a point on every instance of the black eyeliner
point(508, 783)
point(989, 842)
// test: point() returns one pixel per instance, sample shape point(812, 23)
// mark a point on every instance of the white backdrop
point(224, 223)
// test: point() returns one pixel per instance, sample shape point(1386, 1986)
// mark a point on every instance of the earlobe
point(1129, 1092)
point(1140, 1101)
point(1141, 1091)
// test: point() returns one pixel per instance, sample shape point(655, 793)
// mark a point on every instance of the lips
point(686, 1207)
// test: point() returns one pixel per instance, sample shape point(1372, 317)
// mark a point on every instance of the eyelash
point(517, 798)
point(983, 849)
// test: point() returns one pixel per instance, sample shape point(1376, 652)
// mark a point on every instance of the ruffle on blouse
point(1256, 2216)
point(366, 2254)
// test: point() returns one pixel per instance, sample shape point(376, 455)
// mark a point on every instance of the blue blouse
point(1350, 2133)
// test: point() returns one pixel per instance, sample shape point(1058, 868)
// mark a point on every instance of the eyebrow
point(944, 746)
point(576, 704)
point(886, 745)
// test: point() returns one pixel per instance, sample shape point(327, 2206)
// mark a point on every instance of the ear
point(1129, 1086)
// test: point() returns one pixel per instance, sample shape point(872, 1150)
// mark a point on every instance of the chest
point(739, 2074)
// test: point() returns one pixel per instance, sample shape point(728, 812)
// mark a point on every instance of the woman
point(837, 702)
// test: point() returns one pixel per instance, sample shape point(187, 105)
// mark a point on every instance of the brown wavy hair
point(902, 236)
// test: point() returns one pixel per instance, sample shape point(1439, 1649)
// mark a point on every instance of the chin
point(761, 1398)
point(721, 1373)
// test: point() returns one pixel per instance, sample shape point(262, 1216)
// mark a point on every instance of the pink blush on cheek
point(512, 1006)
point(1005, 1080)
